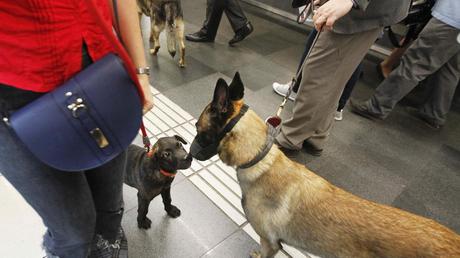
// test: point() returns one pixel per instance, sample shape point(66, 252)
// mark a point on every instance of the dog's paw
point(173, 211)
point(181, 64)
point(145, 223)
point(255, 254)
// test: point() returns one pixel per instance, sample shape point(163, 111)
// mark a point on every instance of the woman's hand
point(330, 12)
point(145, 83)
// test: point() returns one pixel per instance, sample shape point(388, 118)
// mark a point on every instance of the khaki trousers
point(331, 63)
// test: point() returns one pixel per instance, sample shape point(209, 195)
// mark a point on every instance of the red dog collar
point(164, 172)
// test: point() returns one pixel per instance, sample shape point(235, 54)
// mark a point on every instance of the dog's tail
point(170, 10)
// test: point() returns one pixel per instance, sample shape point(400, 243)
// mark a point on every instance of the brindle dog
point(165, 14)
point(285, 202)
point(153, 173)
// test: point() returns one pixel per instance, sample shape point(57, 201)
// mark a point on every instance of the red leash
point(145, 138)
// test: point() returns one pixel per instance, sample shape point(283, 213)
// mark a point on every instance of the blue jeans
point(74, 206)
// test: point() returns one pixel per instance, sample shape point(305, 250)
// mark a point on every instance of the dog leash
point(145, 138)
point(294, 79)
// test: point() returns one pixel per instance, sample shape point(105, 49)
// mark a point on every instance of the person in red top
point(43, 43)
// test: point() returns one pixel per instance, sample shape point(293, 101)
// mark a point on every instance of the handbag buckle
point(76, 106)
point(99, 137)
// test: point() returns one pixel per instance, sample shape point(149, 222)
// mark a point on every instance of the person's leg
point(235, 14)
point(334, 56)
point(436, 45)
point(387, 65)
point(310, 39)
point(349, 87)
point(282, 89)
point(214, 11)
point(62, 199)
point(444, 83)
point(106, 183)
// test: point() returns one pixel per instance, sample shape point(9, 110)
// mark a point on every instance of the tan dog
point(165, 14)
point(286, 202)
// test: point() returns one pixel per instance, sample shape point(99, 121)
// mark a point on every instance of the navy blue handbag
point(85, 122)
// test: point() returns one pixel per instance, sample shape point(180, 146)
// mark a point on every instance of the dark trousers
point(74, 206)
point(350, 83)
point(214, 11)
point(435, 56)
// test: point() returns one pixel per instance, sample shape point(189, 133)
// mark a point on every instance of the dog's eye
point(178, 145)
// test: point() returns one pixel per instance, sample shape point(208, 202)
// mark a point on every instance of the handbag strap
point(120, 50)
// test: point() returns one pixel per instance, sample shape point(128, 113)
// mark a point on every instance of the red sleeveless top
point(41, 41)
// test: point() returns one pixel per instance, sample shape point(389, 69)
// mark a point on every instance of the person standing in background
point(347, 30)
point(214, 10)
point(42, 45)
point(435, 55)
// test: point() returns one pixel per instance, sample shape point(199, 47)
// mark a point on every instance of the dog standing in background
point(165, 14)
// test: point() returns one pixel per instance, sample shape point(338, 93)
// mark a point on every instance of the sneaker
point(282, 89)
point(101, 248)
point(338, 116)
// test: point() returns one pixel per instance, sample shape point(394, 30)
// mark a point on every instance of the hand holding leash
point(330, 12)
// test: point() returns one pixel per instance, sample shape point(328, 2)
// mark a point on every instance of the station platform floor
point(398, 162)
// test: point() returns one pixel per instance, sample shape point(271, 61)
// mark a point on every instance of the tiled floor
point(398, 162)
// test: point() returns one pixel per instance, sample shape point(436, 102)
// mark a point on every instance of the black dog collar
point(232, 123)
point(271, 134)
point(205, 152)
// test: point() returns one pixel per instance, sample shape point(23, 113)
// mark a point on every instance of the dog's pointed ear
point(221, 97)
point(179, 138)
point(236, 87)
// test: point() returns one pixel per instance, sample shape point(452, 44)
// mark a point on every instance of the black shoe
point(290, 153)
point(312, 150)
point(361, 109)
point(241, 34)
point(424, 118)
point(199, 36)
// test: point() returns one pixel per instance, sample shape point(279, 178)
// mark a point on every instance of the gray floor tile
point(222, 57)
point(260, 73)
point(194, 96)
point(267, 43)
point(190, 235)
point(239, 244)
point(168, 75)
point(434, 193)
point(288, 57)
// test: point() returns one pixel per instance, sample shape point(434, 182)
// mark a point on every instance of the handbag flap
point(85, 122)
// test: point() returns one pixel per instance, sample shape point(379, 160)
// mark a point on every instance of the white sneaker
point(338, 116)
point(282, 90)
